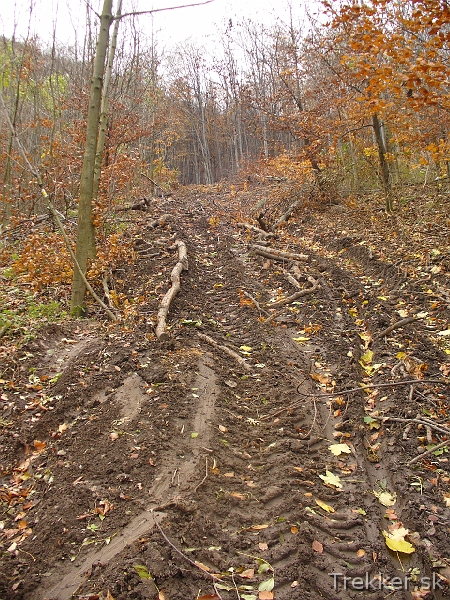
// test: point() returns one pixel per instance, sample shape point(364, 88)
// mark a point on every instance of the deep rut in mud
point(231, 460)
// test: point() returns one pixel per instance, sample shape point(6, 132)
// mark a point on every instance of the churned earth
point(241, 457)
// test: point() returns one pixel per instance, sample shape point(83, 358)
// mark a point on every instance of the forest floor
point(177, 470)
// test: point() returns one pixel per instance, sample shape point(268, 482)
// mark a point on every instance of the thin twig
point(440, 428)
point(204, 478)
point(343, 392)
point(256, 303)
point(377, 385)
point(396, 325)
point(190, 561)
point(306, 436)
point(428, 452)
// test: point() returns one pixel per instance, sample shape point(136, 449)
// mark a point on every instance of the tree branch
point(150, 12)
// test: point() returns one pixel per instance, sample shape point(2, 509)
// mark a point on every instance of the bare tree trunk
point(85, 246)
point(382, 151)
point(104, 106)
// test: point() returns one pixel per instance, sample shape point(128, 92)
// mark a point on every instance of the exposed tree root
point(182, 265)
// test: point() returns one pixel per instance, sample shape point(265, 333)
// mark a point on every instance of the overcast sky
point(68, 16)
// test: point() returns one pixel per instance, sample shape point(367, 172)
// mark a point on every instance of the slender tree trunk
point(104, 105)
point(85, 246)
point(382, 151)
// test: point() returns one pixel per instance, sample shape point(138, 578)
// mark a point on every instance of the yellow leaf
point(331, 479)
point(325, 507)
point(366, 358)
point(301, 339)
point(385, 498)
point(338, 449)
point(398, 545)
point(245, 348)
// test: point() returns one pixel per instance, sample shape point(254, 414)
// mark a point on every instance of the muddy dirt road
point(134, 468)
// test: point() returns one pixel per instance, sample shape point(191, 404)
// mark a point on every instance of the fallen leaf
point(248, 574)
point(301, 340)
point(194, 435)
point(265, 595)
point(396, 541)
point(236, 495)
point(228, 474)
point(317, 547)
point(223, 429)
point(338, 449)
point(258, 527)
point(325, 507)
point(39, 446)
point(294, 530)
point(330, 479)
point(263, 546)
point(266, 586)
point(385, 498)
point(320, 378)
point(361, 552)
point(142, 572)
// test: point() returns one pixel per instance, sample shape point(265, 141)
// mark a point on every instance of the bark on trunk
point(85, 245)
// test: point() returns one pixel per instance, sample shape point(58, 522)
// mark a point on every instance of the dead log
point(277, 254)
point(225, 349)
point(261, 232)
point(182, 265)
point(297, 295)
point(287, 214)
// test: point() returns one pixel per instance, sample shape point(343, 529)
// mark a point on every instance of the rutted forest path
point(141, 446)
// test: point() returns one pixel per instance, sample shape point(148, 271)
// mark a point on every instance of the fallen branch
point(225, 349)
point(396, 325)
point(287, 214)
point(297, 295)
point(440, 428)
point(428, 452)
point(182, 265)
point(154, 183)
point(256, 303)
point(106, 290)
point(257, 230)
point(376, 385)
point(292, 280)
point(277, 254)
